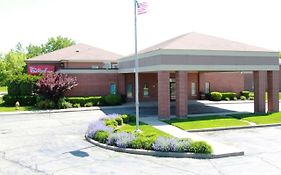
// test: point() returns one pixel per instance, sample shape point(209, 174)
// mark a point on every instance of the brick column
point(273, 90)
point(259, 90)
point(163, 95)
point(181, 93)
point(121, 84)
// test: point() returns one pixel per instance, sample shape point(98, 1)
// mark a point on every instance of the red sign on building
point(40, 69)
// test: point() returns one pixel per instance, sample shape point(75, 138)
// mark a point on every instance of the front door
point(172, 89)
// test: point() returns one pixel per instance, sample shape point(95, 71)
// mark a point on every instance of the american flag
point(142, 7)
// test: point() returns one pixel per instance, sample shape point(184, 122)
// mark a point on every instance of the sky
point(109, 24)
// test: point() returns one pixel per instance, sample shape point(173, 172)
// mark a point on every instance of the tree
point(53, 86)
point(51, 45)
point(57, 43)
point(279, 54)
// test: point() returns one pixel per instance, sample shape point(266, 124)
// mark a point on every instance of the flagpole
point(136, 70)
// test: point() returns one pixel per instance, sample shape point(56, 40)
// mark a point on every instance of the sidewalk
point(219, 149)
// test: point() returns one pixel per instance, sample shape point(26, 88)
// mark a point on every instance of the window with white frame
point(145, 90)
point(193, 89)
point(207, 87)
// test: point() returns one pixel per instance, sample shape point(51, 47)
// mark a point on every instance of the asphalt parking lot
point(54, 144)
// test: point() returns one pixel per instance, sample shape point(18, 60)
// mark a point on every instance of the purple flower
point(171, 144)
point(121, 140)
point(97, 126)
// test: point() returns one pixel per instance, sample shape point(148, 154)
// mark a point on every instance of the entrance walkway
point(219, 149)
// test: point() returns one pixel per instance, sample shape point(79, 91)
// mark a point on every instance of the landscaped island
point(119, 131)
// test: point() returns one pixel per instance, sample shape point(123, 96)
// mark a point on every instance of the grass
point(3, 89)
point(206, 122)
point(261, 119)
point(146, 130)
point(13, 109)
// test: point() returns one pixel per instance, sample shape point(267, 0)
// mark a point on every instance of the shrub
point(182, 145)
point(22, 85)
point(229, 95)
point(242, 98)
point(164, 144)
point(125, 118)
point(89, 104)
point(111, 123)
point(121, 140)
point(200, 147)
point(216, 96)
point(95, 100)
point(132, 118)
point(76, 105)
point(119, 121)
point(53, 86)
point(23, 100)
point(143, 142)
point(251, 98)
point(113, 99)
point(46, 104)
point(97, 126)
point(101, 136)
point(235, 98)
point(245, 94)
point(62, 104)
point(227, 99)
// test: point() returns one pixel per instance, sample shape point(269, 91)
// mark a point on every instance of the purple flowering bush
point(105, 130)
point(121, 139)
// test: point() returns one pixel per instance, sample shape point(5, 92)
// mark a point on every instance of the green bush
point(62, 104)
point(235, 98)
point(216, 96)
point(111, 123)
point(119, 121)
point(143, 142)
point(132, 118)
point(243, 98)
point(101, 136)
point(113, 99)
point(125, 118)
point(227, 99)
point(46, 104)
point(251, 98)
point(22, 85)
point(76, 105)
point(229, 95)
point(95, 100)
point(88, 104)
point(23, 100)
point(245, 94)
point(200, 147)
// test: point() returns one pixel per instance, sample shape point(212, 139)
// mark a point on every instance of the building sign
point(40, 69)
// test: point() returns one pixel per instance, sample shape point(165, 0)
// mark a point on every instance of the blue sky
point(108, 24)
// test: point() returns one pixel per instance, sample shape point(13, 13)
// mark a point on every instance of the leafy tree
point(57, 43)
point(33, 51)
point(53, 86)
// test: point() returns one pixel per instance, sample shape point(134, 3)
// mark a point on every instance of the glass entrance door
point(172, 89)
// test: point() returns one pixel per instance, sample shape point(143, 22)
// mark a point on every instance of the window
point(94, 66)
point(129, 91)
point(106, 65)
point(114, 65)
point(145, 90)
point(113, 89)
point(207, 87)
point(193, 89)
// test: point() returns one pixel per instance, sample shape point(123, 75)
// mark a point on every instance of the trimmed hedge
point(22, 85)
point(95, 100)
point(113, 99)
point(245, 94)
point(216, 96)
point(23, 100)
point(229, 95)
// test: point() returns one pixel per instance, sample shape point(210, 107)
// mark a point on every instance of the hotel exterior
point(182, 68)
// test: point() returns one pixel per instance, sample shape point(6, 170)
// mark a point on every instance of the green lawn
point(261, 119)
point(13, 109)
point(206, 122)
point(3, 89)
point(146, 130)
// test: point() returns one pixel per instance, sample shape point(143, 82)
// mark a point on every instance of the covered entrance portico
point(209, 55)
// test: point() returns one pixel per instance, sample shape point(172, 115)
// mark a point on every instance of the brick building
point(178, 69)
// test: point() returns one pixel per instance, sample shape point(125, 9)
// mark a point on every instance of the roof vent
point(77, 50)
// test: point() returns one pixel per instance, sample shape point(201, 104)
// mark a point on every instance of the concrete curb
point(163, 154)
point(234, 128)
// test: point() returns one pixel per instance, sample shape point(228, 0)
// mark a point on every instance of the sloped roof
point(198, 41)
point(75, 53)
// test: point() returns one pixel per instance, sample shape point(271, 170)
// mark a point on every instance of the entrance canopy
point(198, 52)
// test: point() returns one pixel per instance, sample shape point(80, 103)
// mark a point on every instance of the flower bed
point(108, 130)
